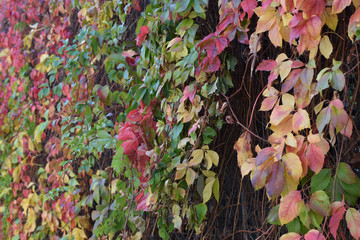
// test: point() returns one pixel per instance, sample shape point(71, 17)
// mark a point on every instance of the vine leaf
point(326, 47)
point(337, 213)
point(276, 181)
point(314, 235)
point(244, 154)
point(288, 209)
point(208, 189)
point(293, 165)
point(353, 222)
point(291, 236)
point(320, 203)
point(144, 30)
point(353, 23)
point(266, 65)
point(279, 113)
point(316, 157)
point(190, 176)
point(339, 5)
point(300, 120)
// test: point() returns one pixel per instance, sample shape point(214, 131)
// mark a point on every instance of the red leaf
point(316, 157)
point(144, 30)
point(266, 65)
point(134, 115)
point(136, 5)
point(209, 66)
point(337, 212)
point(314, 235)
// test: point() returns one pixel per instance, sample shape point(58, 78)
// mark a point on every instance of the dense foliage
point(110, 113)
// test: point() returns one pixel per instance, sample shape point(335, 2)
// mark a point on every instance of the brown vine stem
point(253, 109)
point(242, 125)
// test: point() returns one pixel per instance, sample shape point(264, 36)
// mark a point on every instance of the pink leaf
point(266, 65)
point(337, 212)
point(279, 113)
point(314, 235)
point(248, 6)
point(339, 5)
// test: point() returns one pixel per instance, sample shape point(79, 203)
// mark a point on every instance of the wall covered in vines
point(179, 119)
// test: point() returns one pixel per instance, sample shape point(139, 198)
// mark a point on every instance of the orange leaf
point(316, 157)
point(280, 113)
point(288, 209)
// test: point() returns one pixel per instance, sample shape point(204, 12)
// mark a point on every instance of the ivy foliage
point(110, 111)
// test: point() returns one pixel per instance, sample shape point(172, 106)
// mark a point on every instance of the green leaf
point(346, 174)
point(201, 210)
point(181, 6)
point(216, 188)
point(117, 162)
point(273, 217)
point(320, 203)
point(321, 180)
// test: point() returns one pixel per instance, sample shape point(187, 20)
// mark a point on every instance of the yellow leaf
point(190, 176)
point(212, 156)
point(198, 156)
point(331, 20)
point(288, 100)
point(31, 221)
point(208, 189)
point(293, 165)
point(284, 69)
point(78, 234)
point(244, 154)
point(267, 18)
point(326, 47)
point(291, 140)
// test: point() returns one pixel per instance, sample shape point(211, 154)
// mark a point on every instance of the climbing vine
point(112, 115)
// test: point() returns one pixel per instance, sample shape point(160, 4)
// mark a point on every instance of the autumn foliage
point(158, 119)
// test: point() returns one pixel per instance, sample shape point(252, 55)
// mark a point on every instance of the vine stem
point(253, 109)
point(242, 125)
